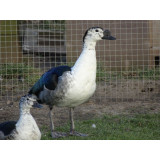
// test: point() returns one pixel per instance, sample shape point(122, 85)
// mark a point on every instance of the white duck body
point(78, 85)
point(26, 128)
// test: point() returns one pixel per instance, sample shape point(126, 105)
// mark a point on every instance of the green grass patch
point(15, 71)
point(120, 127)
point(132, 73)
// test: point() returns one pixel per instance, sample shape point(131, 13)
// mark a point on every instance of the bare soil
point(124, 97)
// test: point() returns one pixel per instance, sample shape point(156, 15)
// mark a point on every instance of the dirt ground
point(127, 98)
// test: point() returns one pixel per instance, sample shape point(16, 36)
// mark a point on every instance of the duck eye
point(96, 30)
point(27, 98)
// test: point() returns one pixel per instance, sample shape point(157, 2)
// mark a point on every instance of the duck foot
point(58, 134)
point(74, 133)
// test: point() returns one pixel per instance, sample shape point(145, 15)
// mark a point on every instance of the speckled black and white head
point(97, 33)
point(27, 102)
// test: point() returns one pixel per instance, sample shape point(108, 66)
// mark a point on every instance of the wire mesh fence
point(127, 69)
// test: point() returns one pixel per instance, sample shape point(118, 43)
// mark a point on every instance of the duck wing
point(49, 79)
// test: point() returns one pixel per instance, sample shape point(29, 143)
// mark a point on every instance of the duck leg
point(53, 133)
point(72, 126)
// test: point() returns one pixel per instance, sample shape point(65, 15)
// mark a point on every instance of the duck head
point(27, 102)
point(97, 33)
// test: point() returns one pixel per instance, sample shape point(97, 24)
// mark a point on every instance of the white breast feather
point(80, 83)
point(27, 128)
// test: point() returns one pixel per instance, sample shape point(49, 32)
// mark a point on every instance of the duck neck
point(89, 45)
point(24, 111)
point(86, 60)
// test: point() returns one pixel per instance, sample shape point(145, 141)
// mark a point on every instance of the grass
point(138, 127)
point(132, 73)
point(15, 71)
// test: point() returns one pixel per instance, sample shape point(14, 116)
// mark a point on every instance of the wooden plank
point(44, 41)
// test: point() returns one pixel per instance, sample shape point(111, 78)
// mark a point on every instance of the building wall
point(137, 44)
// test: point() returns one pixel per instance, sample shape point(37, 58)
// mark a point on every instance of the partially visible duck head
point(27, 102)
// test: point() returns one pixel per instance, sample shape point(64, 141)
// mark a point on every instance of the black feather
point(7, 127)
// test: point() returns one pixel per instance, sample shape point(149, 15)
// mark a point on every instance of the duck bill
point(107, 35)
point(36, 105)
point(109, 38)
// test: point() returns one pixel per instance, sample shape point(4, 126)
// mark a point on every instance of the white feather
point(27, 128)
